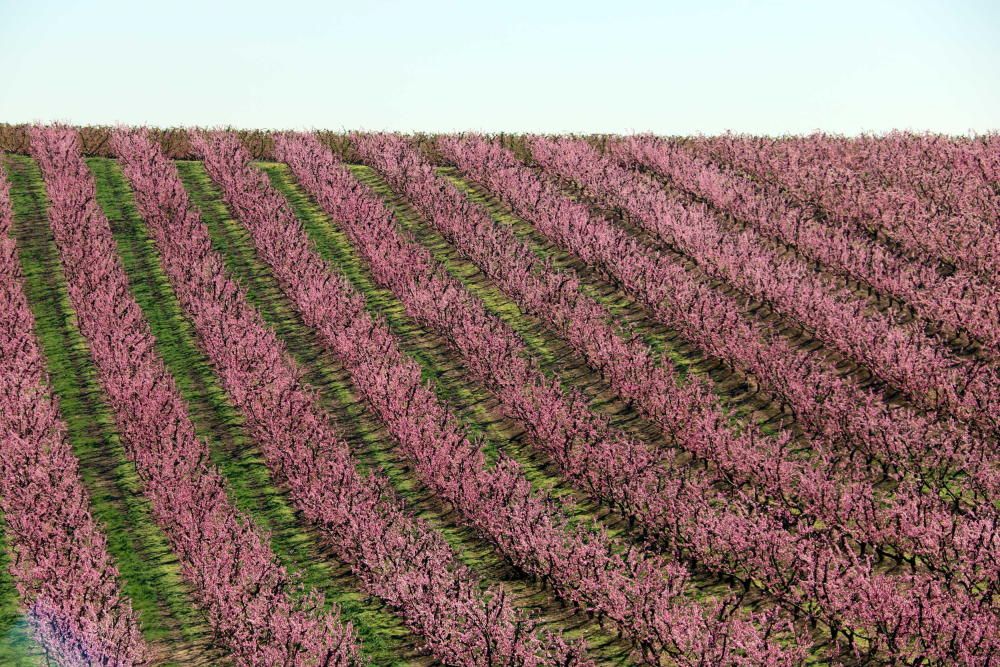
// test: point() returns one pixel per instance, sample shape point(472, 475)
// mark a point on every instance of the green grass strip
point(17, 645)
point(150, 573)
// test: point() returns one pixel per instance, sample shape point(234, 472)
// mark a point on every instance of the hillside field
point(279, 398)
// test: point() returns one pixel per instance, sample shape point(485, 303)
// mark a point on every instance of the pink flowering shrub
point(525, 527)
point(819, 173)
point(829, 490)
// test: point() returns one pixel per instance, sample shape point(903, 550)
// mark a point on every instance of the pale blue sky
point(625, 65)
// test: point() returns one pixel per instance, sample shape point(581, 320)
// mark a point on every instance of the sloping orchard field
point(276, 398)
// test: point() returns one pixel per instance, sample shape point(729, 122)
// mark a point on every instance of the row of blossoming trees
point(867, 531)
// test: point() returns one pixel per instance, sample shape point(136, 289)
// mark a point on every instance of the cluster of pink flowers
point(813, 172)
point(399, 559)
point(253, 606)
point(961, 301)
point(64, 574)
point(527, 527)
point(897, 609)
point(898, 353)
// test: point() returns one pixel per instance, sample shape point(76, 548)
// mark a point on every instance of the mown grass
point(150, 574)
point(249, 481)
point(734, 400)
